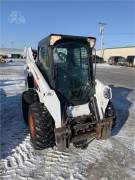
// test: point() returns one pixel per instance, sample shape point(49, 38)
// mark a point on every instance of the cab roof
point(46, 40)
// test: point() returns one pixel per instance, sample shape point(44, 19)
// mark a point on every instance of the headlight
point(107, 93)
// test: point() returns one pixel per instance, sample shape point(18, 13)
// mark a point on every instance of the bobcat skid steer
point(63, 103)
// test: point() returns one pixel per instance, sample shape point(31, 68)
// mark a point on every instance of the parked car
point(114, 60)
point(122, 61)
point(131, 60)
point(9, 60)
point(98, 59)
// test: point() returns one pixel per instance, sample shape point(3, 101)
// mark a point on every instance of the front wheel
point(110, 112)
point(41, 125)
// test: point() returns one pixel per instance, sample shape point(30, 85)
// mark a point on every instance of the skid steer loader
point(63, 102)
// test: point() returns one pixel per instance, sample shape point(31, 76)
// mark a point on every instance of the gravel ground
point(112, 159)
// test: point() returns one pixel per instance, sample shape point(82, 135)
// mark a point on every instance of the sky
point(26, 22)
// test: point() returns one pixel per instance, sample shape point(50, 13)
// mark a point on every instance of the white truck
point(63, 102)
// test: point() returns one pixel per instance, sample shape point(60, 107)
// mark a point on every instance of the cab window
point(44, 64)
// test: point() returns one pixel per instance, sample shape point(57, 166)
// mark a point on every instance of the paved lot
point(112, 159)
point(117, 75)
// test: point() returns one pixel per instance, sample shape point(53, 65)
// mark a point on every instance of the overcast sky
point(26, 22)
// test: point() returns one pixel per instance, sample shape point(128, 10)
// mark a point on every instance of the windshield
point(72, 69)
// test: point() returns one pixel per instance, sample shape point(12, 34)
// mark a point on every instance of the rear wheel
point(25, 109)
point(110, 112)
point(41, 126)
point(28, 97)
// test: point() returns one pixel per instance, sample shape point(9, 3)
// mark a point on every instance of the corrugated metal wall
point(124, 51)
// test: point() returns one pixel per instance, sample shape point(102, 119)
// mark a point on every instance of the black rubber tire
point(41, 125)
point(114, 118)
point(30, 81)
point(28, 97)
point(25, 109)
point(110, 104)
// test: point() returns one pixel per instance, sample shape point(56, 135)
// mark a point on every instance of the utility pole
point(101, 30)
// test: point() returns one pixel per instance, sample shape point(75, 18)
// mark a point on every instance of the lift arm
point(46, 95)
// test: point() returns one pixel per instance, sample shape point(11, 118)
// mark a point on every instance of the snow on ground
point(112, 159)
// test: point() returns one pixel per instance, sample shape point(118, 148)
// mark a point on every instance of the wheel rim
point(32, 126)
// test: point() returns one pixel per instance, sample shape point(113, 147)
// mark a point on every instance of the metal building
point(118, 51)
point(12, 52)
